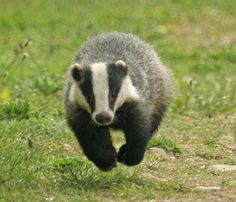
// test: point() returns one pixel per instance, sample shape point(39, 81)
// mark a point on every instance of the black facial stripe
point(87, 89)
point(115, 77)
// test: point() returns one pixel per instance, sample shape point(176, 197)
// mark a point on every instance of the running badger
point(116, 81)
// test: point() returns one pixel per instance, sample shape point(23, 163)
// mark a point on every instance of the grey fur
point(152, 80)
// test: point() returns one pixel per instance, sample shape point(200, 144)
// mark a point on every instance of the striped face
point(101, 89)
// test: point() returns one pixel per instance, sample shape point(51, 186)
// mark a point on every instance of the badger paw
point(105, 160)
point(130, 156)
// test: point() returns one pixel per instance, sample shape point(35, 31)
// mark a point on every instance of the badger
point(116, 81)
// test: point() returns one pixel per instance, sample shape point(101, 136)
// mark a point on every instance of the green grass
point(40, 160)
point(166, 144)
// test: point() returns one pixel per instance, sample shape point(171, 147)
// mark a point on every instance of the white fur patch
point(100, 89)
point(76, 96)
point(127, 91)
point(120, 63)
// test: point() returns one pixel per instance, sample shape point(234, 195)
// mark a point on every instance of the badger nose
point(103, 118)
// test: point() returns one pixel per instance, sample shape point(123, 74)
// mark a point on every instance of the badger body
point(116, 81)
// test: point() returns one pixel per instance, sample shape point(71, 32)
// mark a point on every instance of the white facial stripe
point(100, 87)
point(127, 91)
point(101, 91)
point(76, 96)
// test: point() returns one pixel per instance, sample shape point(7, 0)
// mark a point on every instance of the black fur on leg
point(157, 118)
point(95, 141)
point(133, 121)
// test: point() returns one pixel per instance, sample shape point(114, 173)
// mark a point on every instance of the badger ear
point(122, 66)
point(77, 72)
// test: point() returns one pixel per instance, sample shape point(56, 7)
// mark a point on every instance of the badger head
point(101, 88)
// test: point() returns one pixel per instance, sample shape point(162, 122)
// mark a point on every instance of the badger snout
point(103, 118)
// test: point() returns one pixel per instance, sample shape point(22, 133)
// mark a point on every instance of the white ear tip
point(76, 65)
point(120, 63)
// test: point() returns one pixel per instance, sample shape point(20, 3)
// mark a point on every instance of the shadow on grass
point(82, 175)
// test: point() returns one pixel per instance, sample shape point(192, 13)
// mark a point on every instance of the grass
point(166, 144)
point(40, 159)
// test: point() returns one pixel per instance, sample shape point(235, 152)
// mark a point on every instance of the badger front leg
point(136, 127)
point(97, 146)
point(95, 141)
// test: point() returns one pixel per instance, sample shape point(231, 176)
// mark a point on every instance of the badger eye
point(89, 98)
point(112, 96)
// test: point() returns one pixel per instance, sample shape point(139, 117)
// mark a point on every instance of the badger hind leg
point(156, 118)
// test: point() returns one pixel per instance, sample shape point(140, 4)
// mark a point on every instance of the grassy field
point(40, 159)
